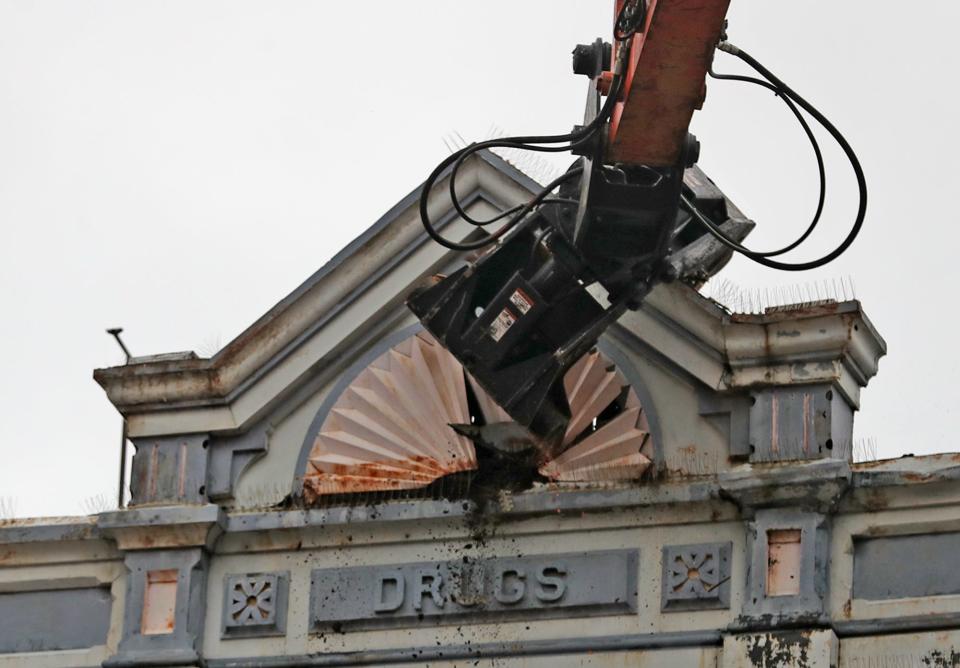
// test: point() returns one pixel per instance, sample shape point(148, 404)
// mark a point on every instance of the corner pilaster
point(166, 556)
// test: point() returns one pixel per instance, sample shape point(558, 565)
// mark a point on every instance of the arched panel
point(386, 426)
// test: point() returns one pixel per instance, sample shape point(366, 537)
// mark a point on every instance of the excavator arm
point(664, 79)
point(526, 310)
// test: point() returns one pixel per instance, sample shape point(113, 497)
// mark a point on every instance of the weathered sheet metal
point(618, 449)
point(391, 427)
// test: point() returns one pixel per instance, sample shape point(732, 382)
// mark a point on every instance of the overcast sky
point(176, 168)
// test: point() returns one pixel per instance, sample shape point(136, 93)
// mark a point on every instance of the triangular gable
point(200, 423)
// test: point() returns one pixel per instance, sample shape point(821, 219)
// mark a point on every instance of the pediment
point(283, 404)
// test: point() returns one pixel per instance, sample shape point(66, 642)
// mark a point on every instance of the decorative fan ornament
point(490, 409)
point(618, 449)
point(390, 428)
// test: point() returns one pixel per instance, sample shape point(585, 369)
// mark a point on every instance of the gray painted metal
point(900, 624)
point(631, 340)
point(809, 605)
point(104, 376)
point(230, 456)
point(453, 592)
point(169, 470)
point(908, 470)
point(816, 485)
point(13, 532)
point(800, 422)
point(183, 644)
point(191, 525)
point(58, 619)
point(264, 615)
point(606, 346)
point(906, 566)
point(369, 281)
point(651, 641)
point(550, 502)
point(695, 577)
point(737, 410)
point(383, 222)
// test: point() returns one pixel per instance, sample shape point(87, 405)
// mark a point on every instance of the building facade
point(300, 499)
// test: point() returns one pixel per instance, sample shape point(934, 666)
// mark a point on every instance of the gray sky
point(177, 167)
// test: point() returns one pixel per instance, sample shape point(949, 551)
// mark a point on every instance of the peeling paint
point(790, 648)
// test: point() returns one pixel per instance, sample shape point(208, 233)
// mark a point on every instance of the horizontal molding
point(908, 472)
point(618, 643)
point(44, 529)
point(527, 504)
point(908, 624)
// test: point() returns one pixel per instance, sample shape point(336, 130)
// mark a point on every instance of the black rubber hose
point(527, 208)
point(841, 141)
point(816, 150)
point(575, 138)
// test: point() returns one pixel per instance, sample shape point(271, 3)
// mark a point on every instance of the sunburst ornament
point(598, 447)
point(390, 428)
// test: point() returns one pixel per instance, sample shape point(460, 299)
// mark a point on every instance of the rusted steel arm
point(665, 80)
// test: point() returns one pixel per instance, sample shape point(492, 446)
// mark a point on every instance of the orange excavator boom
point(665, 79)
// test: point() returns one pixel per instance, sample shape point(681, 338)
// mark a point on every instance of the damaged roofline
point(727, 352)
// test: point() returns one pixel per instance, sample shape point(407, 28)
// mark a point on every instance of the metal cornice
point(832, 342)
point(905, 473)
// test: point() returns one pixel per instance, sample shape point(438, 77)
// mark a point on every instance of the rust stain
point(182, 456)
point(391, 428)
point(159, 602)
point(154, 470)
point(807, 310)
point(669, 58)
point(416, 471)
point(875, 500)
point(847, 608)
point(783, 562)
point(859, 466)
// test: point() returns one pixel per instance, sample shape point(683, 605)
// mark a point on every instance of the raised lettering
point(389, 598)
point(550, 583)
point(515, 595)
point(467, 583)
point(428, 582)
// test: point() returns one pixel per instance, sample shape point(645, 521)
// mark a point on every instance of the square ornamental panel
point(696, 577)
point(255, 605)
